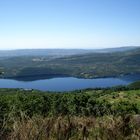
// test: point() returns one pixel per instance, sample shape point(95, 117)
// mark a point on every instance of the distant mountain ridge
point(59, 52)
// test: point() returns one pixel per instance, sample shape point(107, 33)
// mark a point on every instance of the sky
point(26, 24)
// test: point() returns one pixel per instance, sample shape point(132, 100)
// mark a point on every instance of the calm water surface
point(68, 83)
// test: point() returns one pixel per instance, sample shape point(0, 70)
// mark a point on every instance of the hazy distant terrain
point(76, 63)
point(42, 52)
point(58, 52)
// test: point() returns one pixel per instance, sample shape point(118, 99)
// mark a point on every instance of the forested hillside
point(89, 65)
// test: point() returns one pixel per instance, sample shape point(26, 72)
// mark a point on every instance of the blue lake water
point(68, 83)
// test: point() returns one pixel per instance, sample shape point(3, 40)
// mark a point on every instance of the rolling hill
point(86, 65)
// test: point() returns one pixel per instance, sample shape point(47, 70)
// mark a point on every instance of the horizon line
point(68, 48)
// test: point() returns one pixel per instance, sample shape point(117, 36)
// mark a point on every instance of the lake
point(68, 83)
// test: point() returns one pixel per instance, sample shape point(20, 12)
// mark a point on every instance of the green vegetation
point(79, 103)
point(135, 85)
point(84, 114)
point(90, 65)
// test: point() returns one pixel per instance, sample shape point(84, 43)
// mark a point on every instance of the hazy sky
point(69, 23)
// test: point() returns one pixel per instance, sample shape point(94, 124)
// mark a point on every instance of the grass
point(74, 128)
